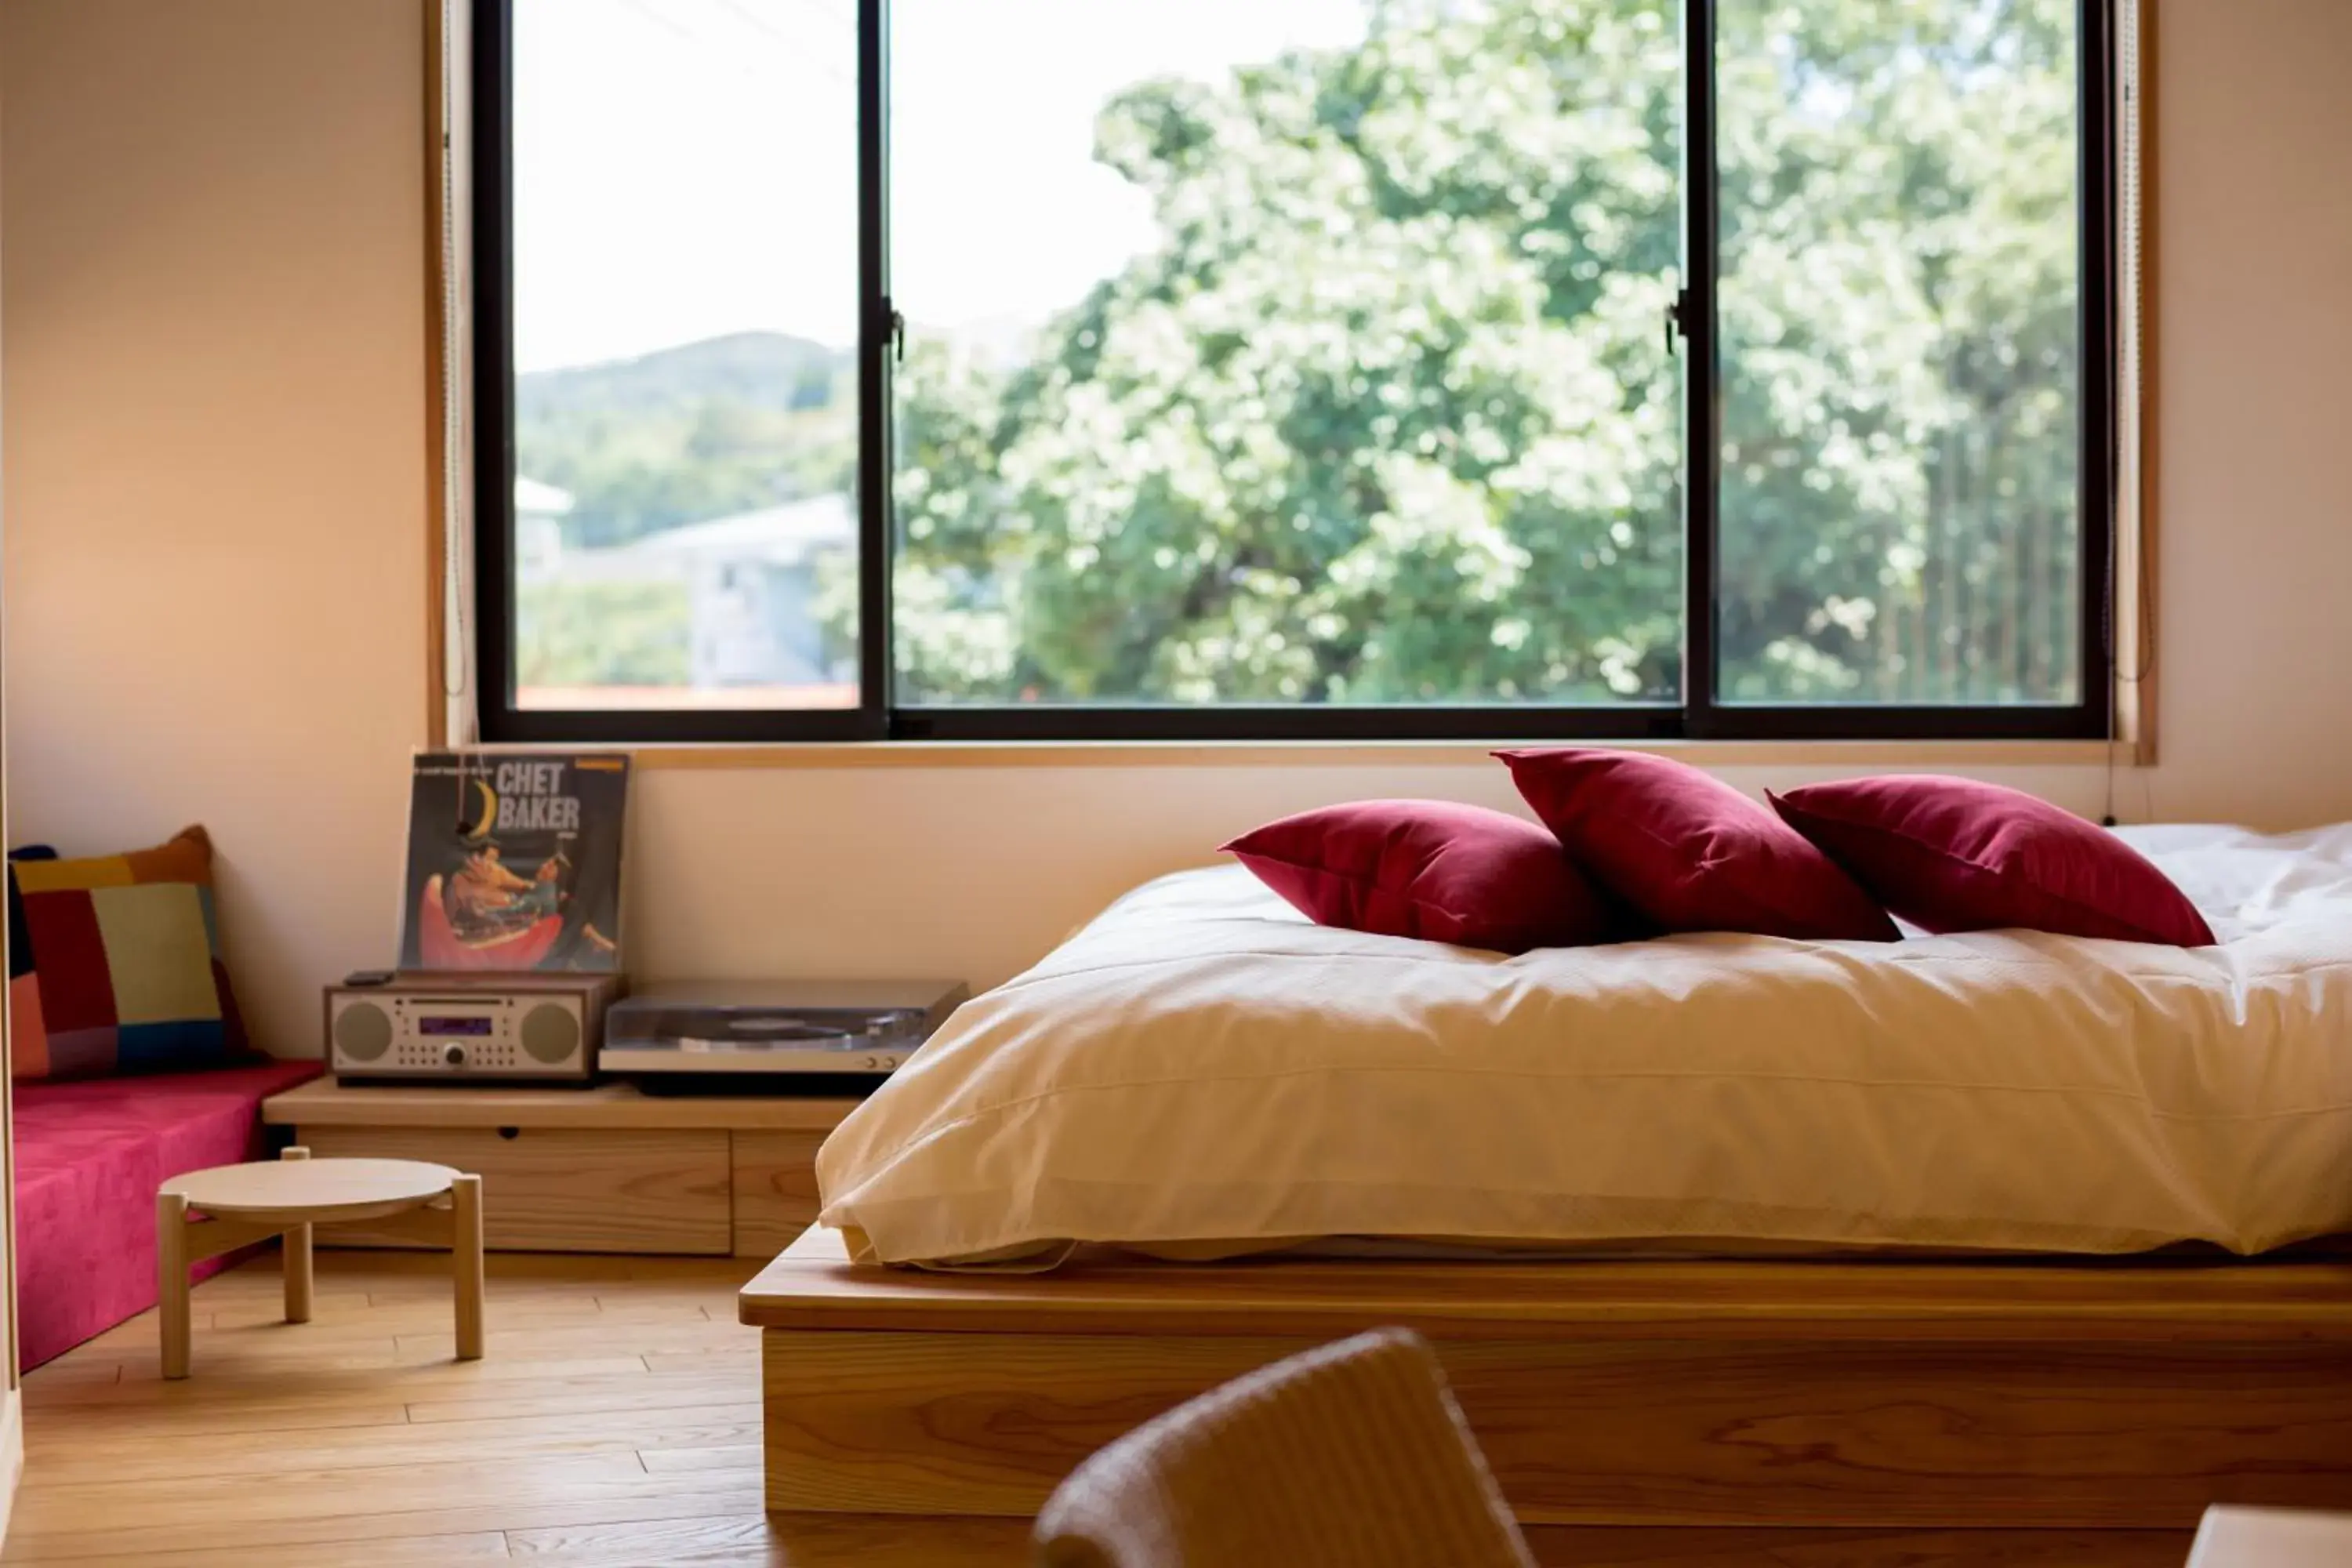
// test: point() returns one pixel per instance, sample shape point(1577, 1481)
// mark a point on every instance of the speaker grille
point(550, 1034)
point(363, 1032)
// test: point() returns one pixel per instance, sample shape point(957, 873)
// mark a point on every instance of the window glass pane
point(1900, 352)
point(1286, 350)
point(684, 320)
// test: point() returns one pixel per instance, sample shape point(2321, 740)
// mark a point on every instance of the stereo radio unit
point(459, 1028)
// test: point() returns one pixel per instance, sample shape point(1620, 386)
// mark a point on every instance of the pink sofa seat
point(89, 1156)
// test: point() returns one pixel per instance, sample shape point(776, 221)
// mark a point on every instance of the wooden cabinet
point(559, 1189)
point(596, 1170)
point(774, 1188)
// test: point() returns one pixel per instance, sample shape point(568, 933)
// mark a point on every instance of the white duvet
point(1200, 1069)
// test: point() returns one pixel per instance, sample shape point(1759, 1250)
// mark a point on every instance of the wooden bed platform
point(1773, 1402)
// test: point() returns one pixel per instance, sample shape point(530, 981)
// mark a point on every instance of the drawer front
point(563, 1189)
point(775, 1190)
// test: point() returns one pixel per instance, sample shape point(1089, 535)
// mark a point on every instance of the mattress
point(1200, 1070)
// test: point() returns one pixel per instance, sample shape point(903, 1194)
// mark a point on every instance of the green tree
point(1901, 364)
point(1390, 416)
point(601, 634)
point(694, 433)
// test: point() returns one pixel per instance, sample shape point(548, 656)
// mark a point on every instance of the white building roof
point(783, 535)
point(544, 499)
point(779, 535)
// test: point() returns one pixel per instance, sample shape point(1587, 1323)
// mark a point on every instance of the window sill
point(1859, 754)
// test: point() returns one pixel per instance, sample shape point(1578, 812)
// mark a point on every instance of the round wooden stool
point(246, 1204)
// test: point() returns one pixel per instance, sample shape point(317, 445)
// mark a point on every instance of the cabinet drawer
point(550, 1189)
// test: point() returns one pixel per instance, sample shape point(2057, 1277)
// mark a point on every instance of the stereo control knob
point(454, 1054)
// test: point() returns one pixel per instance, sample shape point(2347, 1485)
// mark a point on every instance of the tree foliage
point(692, 433)
point(601, 634)
point(1391, 416)
point(1391, 413)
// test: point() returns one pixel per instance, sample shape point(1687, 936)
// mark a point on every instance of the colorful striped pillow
point(114, 964)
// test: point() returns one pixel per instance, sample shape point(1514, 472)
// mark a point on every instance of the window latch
point(1678, 319)
point(894, 331)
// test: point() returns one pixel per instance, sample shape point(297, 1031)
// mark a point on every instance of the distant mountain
point(772, 371)
point(702, 431)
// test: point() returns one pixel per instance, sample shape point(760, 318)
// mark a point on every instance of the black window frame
point(1699, 715)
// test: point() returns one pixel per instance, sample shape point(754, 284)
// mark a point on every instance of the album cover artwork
point(514, 862)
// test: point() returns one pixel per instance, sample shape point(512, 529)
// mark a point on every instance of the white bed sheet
point(1202, 1069)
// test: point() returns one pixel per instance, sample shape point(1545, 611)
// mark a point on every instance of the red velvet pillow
point(1689, 851)
point(1429, 868)
point(1955, 855)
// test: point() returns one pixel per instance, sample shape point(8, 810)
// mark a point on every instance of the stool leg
point(297, 1258)
point(465, 1262)
point(172, 1280)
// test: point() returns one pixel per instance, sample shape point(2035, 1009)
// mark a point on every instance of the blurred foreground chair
point(1350, 1456)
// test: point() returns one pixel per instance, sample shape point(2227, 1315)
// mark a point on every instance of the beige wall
point(213, 379)
point(2256, 318)
point(215, 385)
point(12, 1417)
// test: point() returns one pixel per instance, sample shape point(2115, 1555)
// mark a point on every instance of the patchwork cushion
point(114, 964)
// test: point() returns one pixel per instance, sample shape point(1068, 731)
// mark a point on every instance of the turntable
point(786, 1037)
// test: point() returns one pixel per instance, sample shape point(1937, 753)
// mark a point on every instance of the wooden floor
point(615, 1421)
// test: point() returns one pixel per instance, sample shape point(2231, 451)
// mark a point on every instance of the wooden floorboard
point(356, 1438)
point(615, 1422)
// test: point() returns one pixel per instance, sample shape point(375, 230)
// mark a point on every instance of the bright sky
point(686, 168)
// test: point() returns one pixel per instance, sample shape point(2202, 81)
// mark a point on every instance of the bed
point(1981, 1196)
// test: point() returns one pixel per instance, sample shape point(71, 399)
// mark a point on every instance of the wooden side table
point(246, 1204)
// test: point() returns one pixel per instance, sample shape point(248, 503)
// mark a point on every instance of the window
point(1317, 368)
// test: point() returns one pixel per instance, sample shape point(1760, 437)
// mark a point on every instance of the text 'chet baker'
point(528, 802)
